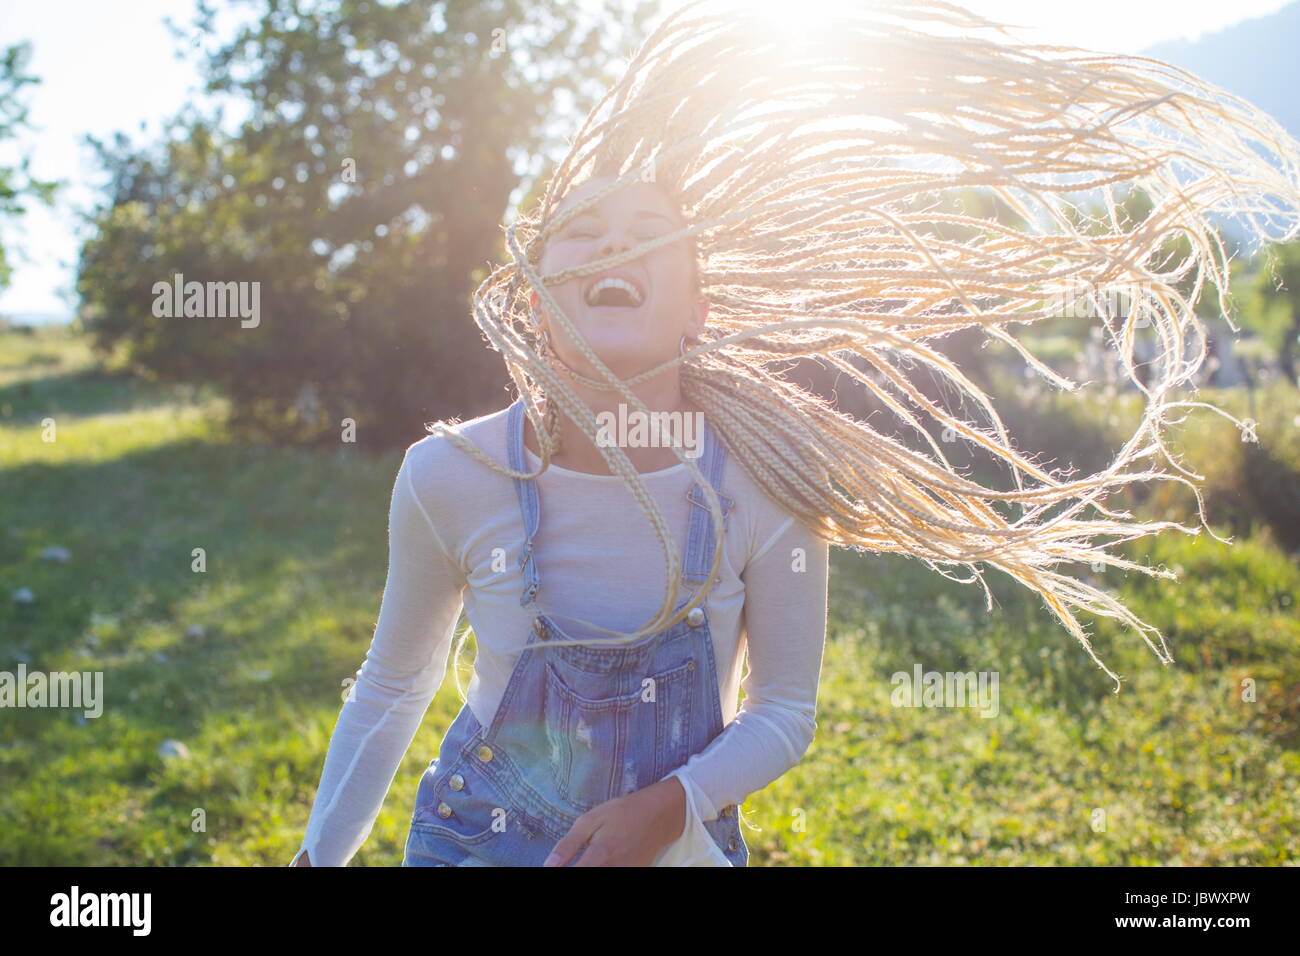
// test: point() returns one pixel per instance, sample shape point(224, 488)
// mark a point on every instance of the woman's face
point(634, 315)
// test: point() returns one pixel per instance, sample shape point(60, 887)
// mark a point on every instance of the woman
point(744, 196)
point(458, 524)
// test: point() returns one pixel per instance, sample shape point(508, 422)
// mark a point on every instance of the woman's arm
point(785, 620)
point(401, 673)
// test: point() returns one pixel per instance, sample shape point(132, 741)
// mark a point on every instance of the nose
point(614, 241)
point(612, 244)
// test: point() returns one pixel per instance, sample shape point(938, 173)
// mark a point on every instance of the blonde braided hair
point(810, 167)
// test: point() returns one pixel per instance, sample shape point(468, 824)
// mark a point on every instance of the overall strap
point(528, 498)
point(699, 540)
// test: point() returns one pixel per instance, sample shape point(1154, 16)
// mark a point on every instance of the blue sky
point(109, 65)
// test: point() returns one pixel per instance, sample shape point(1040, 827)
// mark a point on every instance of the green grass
point(1183, 770)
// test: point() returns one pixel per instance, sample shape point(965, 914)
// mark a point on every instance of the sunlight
point(796, 19)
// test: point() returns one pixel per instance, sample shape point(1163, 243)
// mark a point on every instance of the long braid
point(820, 173)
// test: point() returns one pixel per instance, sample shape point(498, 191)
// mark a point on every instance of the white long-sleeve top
point(453, 521)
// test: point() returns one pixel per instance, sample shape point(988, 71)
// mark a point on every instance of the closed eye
point(582, 229)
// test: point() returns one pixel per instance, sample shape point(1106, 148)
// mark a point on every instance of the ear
point(701, 317)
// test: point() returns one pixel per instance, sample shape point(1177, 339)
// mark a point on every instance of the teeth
point(611, 283)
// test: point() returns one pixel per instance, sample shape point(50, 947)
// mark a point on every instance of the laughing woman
point(750, 194)
point(556, 747)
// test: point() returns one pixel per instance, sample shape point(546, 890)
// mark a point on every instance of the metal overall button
point(732, 845)
point(696, 617)
point(448, 815)
point(484, 753)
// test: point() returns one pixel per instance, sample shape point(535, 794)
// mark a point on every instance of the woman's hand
point(626, 831)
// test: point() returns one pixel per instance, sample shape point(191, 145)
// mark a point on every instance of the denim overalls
point(577, 725)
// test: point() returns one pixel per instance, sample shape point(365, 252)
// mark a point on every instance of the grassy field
point(1176, 769)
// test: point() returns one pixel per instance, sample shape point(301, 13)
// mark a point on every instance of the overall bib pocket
point(606, 747)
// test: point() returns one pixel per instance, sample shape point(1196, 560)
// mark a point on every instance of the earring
point(546, 333)
point(551, 421)
point(681, 345)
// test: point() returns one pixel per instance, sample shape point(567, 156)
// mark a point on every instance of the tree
point(363, 193)
point(1272, 304)
point(16, 182)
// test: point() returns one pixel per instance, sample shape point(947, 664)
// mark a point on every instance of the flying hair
point(816, 167)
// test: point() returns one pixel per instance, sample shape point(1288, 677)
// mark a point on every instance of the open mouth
point(619, 293)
